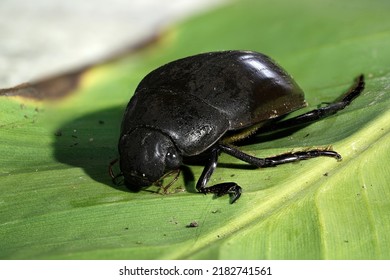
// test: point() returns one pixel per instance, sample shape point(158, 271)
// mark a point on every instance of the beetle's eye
point(172, 159)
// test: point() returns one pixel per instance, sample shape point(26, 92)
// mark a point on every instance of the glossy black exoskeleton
point(200, 105)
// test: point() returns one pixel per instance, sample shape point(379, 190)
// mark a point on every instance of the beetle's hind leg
point(316, 114)
point(230, 188)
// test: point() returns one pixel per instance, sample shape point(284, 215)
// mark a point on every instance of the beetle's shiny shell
point(196, 100)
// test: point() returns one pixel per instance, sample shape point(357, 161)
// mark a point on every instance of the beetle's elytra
point(198, 106)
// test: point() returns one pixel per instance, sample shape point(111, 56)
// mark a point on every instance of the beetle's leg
point(208, 170)
point(225, 188)
point(219, 189)
point(325, 111)
point(279, 159)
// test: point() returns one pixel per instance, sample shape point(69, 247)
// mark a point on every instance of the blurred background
point(45, 37)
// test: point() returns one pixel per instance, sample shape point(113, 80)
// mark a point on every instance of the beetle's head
point(146, 155)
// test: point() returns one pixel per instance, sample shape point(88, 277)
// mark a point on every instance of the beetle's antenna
point(110, 168)
point(165, 188)
point(111, 173)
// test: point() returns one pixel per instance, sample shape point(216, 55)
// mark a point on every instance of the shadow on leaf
point(90, 142)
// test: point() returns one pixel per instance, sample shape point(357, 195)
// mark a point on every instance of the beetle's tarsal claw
point(235, 193)
point(230, 188)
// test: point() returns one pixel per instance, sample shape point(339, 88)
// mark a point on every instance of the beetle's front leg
point(219, 189)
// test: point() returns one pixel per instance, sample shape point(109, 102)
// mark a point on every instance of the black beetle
point(199, 105)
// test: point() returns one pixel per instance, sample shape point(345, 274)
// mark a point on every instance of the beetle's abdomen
point(247, 87)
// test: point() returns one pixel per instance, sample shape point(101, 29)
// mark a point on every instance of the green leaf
point(58, 202)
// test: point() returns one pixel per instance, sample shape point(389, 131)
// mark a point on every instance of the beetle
point(198, 106)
